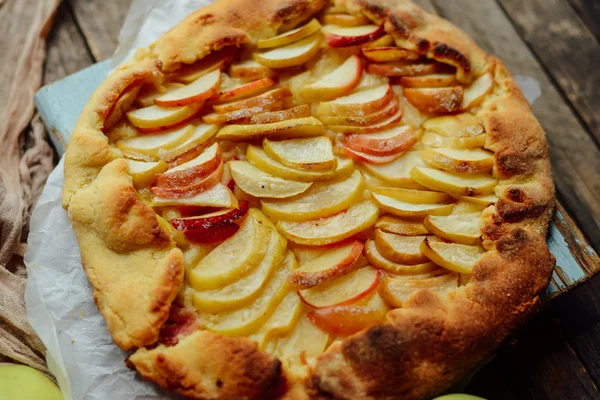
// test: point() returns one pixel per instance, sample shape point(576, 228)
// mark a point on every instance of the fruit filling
point(314, 181)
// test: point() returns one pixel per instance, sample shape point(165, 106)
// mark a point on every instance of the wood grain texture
point(67, 51)
point(574, 154)
point(560, 39)
point(100, 23)
point(589, 12)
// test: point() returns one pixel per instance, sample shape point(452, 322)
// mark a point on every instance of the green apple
point(20, 382)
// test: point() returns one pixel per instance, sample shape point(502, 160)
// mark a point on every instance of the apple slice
point(481, 200)
point(388, 123)
point(260, 184)
point(387, 111)
point(144, 173)
point(216, 60)
point(410, 210)
point(320, 200)
point(460, 160)
point(301, 345)
point(404, 68)
point(281, 321)
point(261, 100)
point(395, 290)
point(438, 141)
point(384, 41)
point(154, 119)
point(150, 145)
point(455, 257)
point(358, 104)
point(396, 140)
point(400, 249)
point(378, 260)
point(195, 92)
point(290, 36)
point(435, 100)
point(431, 81)
point(339, 36)
point(235, 257)
point(401, 226)
point(198, 185)
point(331, 264)
point(293, 128)
point(260, 159)
point(459, 125)
point(397, 173)
point(411, 195)
point(338, 82)
point(291, 55)
point(311, 154)
point(369, 158)
point(240, 116)
point(461, 228)
point(476, 92)
point(387, 54)
point(346, 320)
point(192, 171)
point(453, 183)
point(211, 220)
point(250, 69)
point(346, 20)
point(244, 90)
point(336, 228)
point(148, 93)
point(196, 140)
point(466, 207)
point(246, 289)
point(269, 117)
point(344, 290)
point(218, 196)
point(247, 320)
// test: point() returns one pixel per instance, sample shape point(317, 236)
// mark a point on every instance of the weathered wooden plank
point(67, 52)
point(567, 49)
point(541, 365)
point(574, 155)
point(589, 11)
point(100, 23)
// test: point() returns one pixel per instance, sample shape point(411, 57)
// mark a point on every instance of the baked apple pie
point(310, 199)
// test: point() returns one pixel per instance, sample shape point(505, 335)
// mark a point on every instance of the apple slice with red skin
point(331, 264)
point(352, 36)
point(214, 219)
point(358, 104)
point(344, 290)
point(269, 117)
point(190, 190)
point(215, 60)
point(404, 68)
point(381, 125)
point(212, 234)
point(338, 82)
point(390, 109)
point(195, 92)
point(345, 320)
point(261, 100)
point(392, 141)
point(155, 119)
point(436, 100)
point(369, 158)
point(245, 90)
point(243, 114)
point(192, 171)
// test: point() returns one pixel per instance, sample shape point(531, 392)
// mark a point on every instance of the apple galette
point(307, 199)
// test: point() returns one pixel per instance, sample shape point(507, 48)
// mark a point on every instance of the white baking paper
point(80, 351)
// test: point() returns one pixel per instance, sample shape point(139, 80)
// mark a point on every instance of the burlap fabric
point(26, 160)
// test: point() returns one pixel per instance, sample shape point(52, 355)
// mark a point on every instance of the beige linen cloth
point(26, 160)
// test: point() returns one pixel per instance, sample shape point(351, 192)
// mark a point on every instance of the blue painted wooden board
point(61, 103)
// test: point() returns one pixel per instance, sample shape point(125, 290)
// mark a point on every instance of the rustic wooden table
point(556, 42)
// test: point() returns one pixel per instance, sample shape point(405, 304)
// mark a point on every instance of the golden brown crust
point(422, 348)
point(205, 365)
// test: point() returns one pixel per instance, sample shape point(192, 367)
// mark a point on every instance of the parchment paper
point(59, 300)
